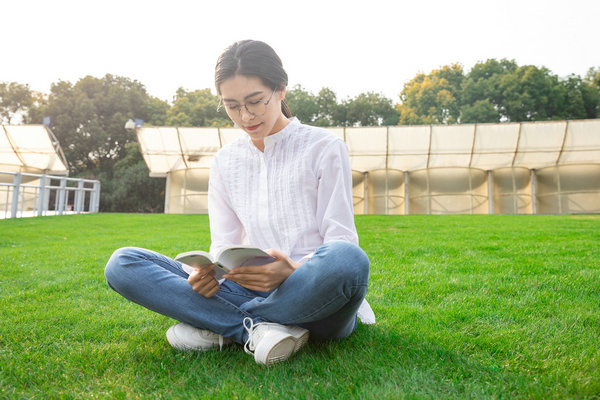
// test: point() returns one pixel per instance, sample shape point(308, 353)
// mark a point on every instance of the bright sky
point(346, 45)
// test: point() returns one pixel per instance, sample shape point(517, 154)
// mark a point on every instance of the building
point(506, 168)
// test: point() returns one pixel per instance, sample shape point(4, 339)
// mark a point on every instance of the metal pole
point(41, 201)
point(490, 192)
point(6, 203)
point(429, 199)
point(533, 194)
point(406, 194)
point(366, 192)
point(15, 198)
point(23, 201)
point(96, 197)
point(168, 189)
point(47, 195)
point(558, 191)
point(79, 195)
point(387, 175)
point(61, 196)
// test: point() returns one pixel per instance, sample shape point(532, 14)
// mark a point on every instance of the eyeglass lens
point(255, 107)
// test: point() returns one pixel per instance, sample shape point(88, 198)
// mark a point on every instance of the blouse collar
point(277, 136)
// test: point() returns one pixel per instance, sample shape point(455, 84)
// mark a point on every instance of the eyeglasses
point(256, 108)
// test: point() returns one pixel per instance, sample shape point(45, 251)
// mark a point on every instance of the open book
point(226, 260)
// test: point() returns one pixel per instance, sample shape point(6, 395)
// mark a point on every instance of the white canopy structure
point(31, 148)
point(33, 172)
point(530, 167)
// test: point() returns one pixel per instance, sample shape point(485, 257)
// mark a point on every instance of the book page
point(242, 256)
point(194, 258)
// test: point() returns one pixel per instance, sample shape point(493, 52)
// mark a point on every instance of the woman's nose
point(245, 114)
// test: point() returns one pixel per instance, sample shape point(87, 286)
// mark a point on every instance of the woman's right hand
point(203, 280)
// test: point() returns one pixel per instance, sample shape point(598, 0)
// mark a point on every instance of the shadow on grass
point(383, 362)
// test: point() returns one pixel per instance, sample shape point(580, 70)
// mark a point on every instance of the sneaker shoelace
point(250, 342)
point(253, 337)
point(211, 335)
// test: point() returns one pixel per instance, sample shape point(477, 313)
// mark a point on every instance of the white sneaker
point(271, 343)
point(185, 337)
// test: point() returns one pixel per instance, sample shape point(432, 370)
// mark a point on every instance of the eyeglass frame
point(266, 103)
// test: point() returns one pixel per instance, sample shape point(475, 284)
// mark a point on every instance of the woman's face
point(242, 90)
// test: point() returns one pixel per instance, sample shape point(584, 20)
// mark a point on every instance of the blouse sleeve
point(225, 226)
point(335, 210)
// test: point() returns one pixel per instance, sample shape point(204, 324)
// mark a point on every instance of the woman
point(286, 187)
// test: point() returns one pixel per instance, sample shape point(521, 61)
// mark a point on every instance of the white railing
point(38, 195)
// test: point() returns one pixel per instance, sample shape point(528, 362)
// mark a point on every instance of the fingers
point(249, 279)
point(249, 270)
point(276, 253)
point(254, 284)
point(262, 277)
point(281, 256)
point(203, 281)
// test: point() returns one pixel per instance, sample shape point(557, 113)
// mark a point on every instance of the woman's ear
point(282, 92)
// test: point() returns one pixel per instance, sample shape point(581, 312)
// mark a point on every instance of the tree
point(129, 188)
point(157, 109)
point(495, 91)
point(532, 94)
point(591, 92)
point(581, 99)
point(88, 118)
point(367, 109)
point(329, 109)
point(479, 111)
point(432, 98)
point(197, 108)
point(593, 77)
point(481, 91)
point(15, 101)
point(502, 91)
point(371, 109)
point(37, 111)
point(304, 105)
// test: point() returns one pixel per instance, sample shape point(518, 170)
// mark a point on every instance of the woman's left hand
point(264, 277)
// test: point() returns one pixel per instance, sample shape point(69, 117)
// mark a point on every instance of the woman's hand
point(203, 280)
point(264, 277)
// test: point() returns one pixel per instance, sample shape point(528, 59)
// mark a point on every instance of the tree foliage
point(323, 109)
point(304, 105)
point(432, 98)
point(197, 108)
point(15, 101)
point(88, 117)
point(370, 109)
point(496, 91)
point(128, 188)
point(481, 97)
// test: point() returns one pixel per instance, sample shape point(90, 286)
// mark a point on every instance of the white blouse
point(294, 197)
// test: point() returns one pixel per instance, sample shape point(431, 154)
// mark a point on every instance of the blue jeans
point(322, 295)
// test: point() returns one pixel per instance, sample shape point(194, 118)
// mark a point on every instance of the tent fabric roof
point(407, 148)
point(31, 148)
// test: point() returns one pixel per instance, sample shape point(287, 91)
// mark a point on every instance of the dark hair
point(255, 58)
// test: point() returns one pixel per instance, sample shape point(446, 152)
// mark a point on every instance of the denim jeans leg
point(160, 284)
point(322, 295)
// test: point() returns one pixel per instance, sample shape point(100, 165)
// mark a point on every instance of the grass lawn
point(468, 307)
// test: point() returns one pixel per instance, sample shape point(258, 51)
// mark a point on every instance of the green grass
point(467, 306)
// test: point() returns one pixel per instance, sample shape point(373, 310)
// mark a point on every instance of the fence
point(24, 194)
